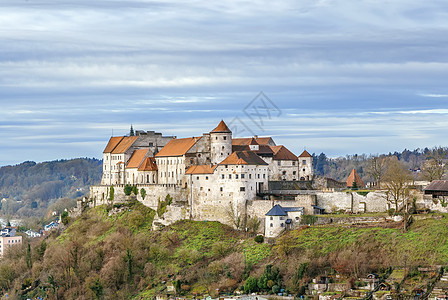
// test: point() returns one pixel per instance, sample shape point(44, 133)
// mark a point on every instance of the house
point(8, 239)
point(281, 218)
point(437, 189)
point(51, 226)
point(32, 234)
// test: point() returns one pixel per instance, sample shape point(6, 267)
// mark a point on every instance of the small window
point(304, 162)
point(303, 170)
point(225, 138)
point(294, 172)
point(284, 173)
point(151, 144)
point(230, 176)
point(293, 163)
point(222, 176)
point(279, 163)
point(258, 176)
point(250, 176)
point(220, 189)
point(222, 147)
point(216, 138)
point(271, 218)
point(226, 166)
point(264, 176)
point(202, 188)
point(282, 225)
point(242, 189)
point(206, 177)
point(272, 225)
point(197, 177)
point(236, 176)
point(242, 176)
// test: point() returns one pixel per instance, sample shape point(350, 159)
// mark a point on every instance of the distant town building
point(8, 239)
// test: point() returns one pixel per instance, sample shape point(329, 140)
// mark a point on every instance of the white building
point(279, 219)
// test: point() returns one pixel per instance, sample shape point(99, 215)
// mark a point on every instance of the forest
point(29, 188)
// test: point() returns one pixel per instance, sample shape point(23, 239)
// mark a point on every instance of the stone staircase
point(441, 287)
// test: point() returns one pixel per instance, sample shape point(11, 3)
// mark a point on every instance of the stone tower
point(306, 169)
point(220, 143)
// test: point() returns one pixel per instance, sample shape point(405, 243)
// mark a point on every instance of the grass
point(425, 243)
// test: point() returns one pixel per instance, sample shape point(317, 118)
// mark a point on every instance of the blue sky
point(347, 76)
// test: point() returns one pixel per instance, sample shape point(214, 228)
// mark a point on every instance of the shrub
point(143, 193)
point(391, 212)
point(250, 285)
point(308, 219)
point(135, 190)
point(259, 239)
point(64, 218)
point(127, 189)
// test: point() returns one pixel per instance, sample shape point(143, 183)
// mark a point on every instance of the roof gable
point(113, 142)
point(149, 164)
point(201, 169)
point(277, 210)
point(124, 144)
point(221, 128)
point(247, 141)
point(243, 158)
point(137, 158)
point(178, 147)
point(437, 185)
point(282, 153)
point(305, 154)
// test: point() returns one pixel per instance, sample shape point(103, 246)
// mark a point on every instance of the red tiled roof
point(222, 127)
point(201, 169)
point(149, 164)
point(177, 147)
point(247, 141)
point(282, 153)
point(124, 144)
point(113, 142)
point(354, 177)
point(137, 158)
point(243, 158)
point(305, 154)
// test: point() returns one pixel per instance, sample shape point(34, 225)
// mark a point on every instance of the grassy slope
point(204, 256)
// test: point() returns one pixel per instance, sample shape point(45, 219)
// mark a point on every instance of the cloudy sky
point(338, 77)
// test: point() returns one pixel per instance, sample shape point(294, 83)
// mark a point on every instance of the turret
point(220, 143)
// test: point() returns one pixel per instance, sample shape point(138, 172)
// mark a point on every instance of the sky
point(339, 77)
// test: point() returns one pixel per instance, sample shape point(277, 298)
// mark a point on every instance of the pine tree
point(131, 132)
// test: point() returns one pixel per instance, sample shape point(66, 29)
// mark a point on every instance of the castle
point(210, 177)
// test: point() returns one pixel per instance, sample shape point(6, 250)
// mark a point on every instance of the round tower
point(220, 143)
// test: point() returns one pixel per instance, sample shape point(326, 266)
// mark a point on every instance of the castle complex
point(210, 177)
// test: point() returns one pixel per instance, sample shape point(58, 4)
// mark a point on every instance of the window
point(230, 176)
point(226, 166)
point(282, 225)
point(151, 144)
point(284, 173)
point(303, 170)
point(220, 189)
point(258, 176)
point(206, 177)
point(222, 147)
point(202, 188)
point(282, 218)
point(272, 225)
point(216, 138)
point(250, 176)
point(242, 176)
point(222, 176)
point(278, 163)
point(197, 177)
point(293, 163)
point(242, 189)
point(294, 172)
point(225, 138)
point(236, 176)
point(304, 162)
point(264, 176)
point(272, 218)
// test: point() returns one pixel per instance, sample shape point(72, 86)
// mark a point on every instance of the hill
point(29, 188)
point(112, 253)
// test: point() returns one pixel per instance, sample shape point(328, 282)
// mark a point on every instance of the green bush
point(135, 190)
point(259, 239)
point(250, 286)
point(308, 219)
point(143, 193)
point(127, 189)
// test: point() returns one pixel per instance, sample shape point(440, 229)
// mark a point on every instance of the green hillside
point(112, 253)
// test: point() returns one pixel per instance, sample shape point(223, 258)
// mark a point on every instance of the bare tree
point(234, 217)
point(434, 168)
point(376, 169)
point(396, 181)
